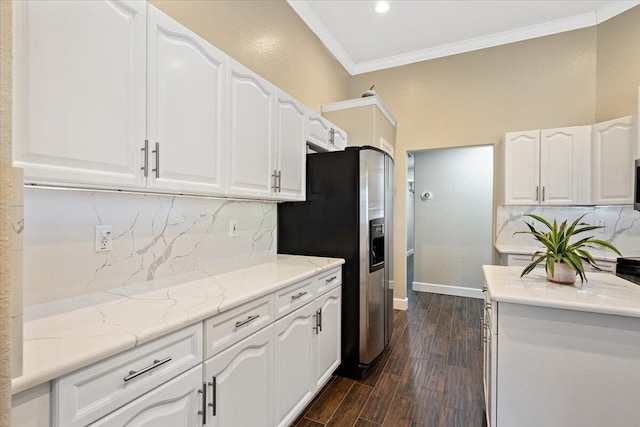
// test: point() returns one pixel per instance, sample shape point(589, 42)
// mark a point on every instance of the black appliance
point(629, 269)
point(348, 214)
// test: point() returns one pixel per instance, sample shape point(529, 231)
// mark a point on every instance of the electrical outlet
point(103, 238)
point(600, 223)
point(233, 228)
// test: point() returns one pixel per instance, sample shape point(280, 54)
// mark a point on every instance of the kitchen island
point(558, 355)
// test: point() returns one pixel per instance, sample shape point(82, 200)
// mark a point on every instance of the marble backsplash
point(155, 238)
point(622, 225)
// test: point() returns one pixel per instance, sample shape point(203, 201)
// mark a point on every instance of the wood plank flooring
point(430, 375)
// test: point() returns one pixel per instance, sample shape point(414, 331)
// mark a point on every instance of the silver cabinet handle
point(299, 295)
point(331, 279)
point(274, 184)
point(145, 168)
point(320, 319)
point(157, 153)
point(543, 193)
point(279, 177)
point(317, 317)
point(249, 319)
point(214, 404)
point(156, 363)
point(537, 192)
point(204, 403)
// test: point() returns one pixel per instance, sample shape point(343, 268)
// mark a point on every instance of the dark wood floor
point(430, 375)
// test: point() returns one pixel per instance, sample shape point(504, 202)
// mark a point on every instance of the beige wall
point(618, 66)
point(268, 37)
point(6, 188)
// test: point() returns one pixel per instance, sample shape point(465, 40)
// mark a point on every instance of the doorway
point(453, 219)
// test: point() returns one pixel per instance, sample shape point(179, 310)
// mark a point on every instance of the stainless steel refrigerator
point(349, 214)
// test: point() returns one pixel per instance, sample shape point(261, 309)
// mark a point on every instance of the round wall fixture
point(427, 195)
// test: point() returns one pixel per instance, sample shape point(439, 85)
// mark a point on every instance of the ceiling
point(417, 30)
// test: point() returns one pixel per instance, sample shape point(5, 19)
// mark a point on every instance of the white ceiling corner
point(470, 25)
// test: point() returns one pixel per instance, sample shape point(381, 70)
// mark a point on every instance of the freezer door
point(388, 256)
point(372, 277)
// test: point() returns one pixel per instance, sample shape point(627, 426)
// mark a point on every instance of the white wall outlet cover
point(600, 223)
point(104, 239)
point(233, 228)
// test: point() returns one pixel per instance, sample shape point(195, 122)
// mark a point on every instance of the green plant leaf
point(604, 244)
point(540, 219)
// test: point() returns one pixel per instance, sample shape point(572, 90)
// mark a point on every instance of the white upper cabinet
point(548, 167)
point(614, 151)
point(250, 133)
point(522, 168)
point(185, 116)
point(290, 150)
point(324, 134)
point(318, 130)
point(80, 92)
point(565, 166)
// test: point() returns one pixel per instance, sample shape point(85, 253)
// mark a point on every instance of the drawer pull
point(249, 319)
point(331, 279)
point(300, 295)
point(156, 363)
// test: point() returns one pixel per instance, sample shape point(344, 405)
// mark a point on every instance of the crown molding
point(302, 8)
point(614, 8)
point(360, 102)
point(310, 18)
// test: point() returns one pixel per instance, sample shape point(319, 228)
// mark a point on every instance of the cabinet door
point(614, 151)
point(318, 130)
point(329, 336)
point(522, 168)
point(241, 394)
point(175, 403)
point(565, 166)
point(250, 133)
point(186, 81)
point(294, 371)
point(80, 92)
point(290, 147)
point(340, 139)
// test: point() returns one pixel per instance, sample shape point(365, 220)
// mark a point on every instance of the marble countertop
point(603, 292)
point(529, 250)
point(63, 342)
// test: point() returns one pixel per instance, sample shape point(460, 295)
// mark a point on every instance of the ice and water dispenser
point(376, 244)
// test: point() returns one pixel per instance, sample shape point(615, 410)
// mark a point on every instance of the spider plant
point(560, 249)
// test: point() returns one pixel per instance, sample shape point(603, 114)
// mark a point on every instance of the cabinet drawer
point(294, 296)
point(328, 280)
point(90, 393)
point(228, 328)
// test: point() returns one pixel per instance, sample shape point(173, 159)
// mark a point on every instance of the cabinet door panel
point(175, 403)
point(80, 92)
point(294, 373)
point(186, 81)
point(614, 151)
point(250, 133)
point(243, 377)
point(318, 130)
point(290, 147)
point(522, 168)
point(559, 165)
point(329, 338)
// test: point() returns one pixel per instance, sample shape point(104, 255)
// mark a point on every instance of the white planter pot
point(562, 274)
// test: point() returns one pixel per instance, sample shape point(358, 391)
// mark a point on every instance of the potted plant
point(563, 259)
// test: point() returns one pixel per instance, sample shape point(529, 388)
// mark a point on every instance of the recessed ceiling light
point(382, 6)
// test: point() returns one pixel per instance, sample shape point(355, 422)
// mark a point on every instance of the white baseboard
point(401, 304)
point(458, 291)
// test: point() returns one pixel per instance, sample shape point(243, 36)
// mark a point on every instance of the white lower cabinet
point(328, 350)
point(294, 373)
point(175, 403)
point(558, 367)
point(258, 371)
point(240, 383)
